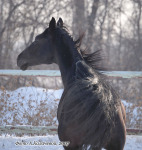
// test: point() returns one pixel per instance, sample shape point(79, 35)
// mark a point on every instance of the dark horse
point(90, 113)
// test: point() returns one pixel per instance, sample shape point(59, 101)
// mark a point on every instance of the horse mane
point(92, 59)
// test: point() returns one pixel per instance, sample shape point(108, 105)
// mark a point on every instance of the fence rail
point(27, 129)
point(56, 73)
point(44, 130)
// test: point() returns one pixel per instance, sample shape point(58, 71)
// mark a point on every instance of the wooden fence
point(55, 73)
point(43, 130)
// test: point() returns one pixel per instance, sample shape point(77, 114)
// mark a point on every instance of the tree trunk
point(78, 24)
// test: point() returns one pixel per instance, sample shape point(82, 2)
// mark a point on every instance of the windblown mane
point(92, 59)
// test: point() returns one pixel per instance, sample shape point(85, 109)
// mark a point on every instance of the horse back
point(90, 111)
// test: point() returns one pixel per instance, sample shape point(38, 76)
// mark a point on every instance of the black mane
point(92, 59)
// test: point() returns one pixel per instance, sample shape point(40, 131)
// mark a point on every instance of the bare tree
point(20, 20)
point(78, 23)
point(7, 9)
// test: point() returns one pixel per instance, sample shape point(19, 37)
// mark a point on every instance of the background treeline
point(115, 26)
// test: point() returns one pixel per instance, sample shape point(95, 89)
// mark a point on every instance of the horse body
point(90, 113)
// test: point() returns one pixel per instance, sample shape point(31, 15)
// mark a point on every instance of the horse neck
point(66, 57)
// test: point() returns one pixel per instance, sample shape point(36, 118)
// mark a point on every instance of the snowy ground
point(29, 106)
point(14, 143)
point(38, 106)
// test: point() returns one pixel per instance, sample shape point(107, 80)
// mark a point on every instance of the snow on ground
point(30, 106)
point(38, 106)
point(133, 114)
point(14, 143)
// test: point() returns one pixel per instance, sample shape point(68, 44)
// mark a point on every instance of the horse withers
point(90, 113)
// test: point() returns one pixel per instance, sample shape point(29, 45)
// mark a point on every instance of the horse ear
point(60, 22)
point(52, 24)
